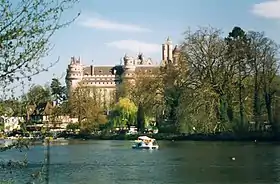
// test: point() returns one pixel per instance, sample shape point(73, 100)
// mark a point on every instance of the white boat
point(145, 142)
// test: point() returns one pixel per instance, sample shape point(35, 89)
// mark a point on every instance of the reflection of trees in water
point(47, 162)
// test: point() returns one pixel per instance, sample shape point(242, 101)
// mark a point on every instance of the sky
point(107, 29)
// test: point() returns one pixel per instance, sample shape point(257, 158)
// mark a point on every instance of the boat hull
point(144, 142)
point(145, 147)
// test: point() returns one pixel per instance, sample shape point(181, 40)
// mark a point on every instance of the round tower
point(167, 51)
point(129, 67)
point(74, 74)
point(129, 63)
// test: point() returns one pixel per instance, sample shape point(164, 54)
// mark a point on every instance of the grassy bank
point(181, 137)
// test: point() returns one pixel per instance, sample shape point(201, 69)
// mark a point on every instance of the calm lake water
point(114, 162)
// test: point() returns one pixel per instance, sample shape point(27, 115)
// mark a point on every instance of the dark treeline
point(216, 85)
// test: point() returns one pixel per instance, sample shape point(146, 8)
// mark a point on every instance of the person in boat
point(147, 142)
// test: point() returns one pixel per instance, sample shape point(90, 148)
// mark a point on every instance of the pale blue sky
point(107, 29)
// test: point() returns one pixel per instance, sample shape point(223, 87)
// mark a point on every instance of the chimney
point(72, 60)
point(91, 70)
point(54, 103)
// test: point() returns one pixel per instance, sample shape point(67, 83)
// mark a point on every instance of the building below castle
point(106, 79)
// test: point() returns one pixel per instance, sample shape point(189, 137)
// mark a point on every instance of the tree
point(124, 89)
point(124, 113)
point(1, 127)
point(238, 52)
point(58, 91)
point(205, 81)
point(63, 108)
point(215, 68)
point(172, 78)
point(84, 105)
point(72, 126)
point(38, 94)
point(26, 29)
point(147, 93)
point(265, 64)
point(12, 107)
point(140, 118)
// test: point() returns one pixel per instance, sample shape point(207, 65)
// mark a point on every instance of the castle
point(106, 79)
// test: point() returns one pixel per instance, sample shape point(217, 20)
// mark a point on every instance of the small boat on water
point(145, 142)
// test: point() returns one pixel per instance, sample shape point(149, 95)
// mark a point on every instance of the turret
point(129, 63)
point(129, 67)
point(74, 73)
point(167, 49)
point(176, 54)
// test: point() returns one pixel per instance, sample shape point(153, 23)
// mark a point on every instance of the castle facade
point(106, 79)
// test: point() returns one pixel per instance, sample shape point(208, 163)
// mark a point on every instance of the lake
point(114, 162)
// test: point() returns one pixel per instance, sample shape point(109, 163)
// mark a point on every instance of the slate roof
point(99, 70)
point(40, 109)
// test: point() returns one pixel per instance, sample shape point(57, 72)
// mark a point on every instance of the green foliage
point(1, 127)
point(124, 113)
point(83, 104)
point(63, 108)
point(140, 118)
point(57, 90)
point(12, 107)
point(226, 83)
point(26, 29)
point(38, 94)
point(216, 85)
point(72, 126)
point(148, 94)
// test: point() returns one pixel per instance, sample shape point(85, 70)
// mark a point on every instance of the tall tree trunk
point(276, 116)
point(241, 106)
point(140, 118)
point(223, 109)
point(256, 109)
point(268, 104)
point(230, 110)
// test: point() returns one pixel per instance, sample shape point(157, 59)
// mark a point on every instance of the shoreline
point(176, 137)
